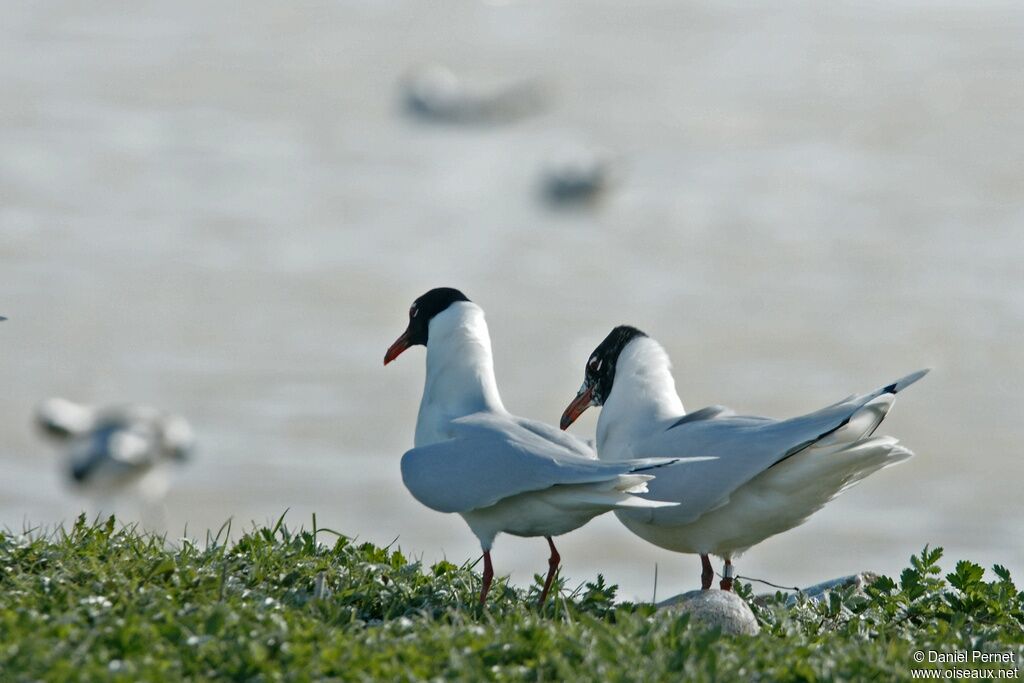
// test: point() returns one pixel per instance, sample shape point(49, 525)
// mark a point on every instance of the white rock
point(712, 608)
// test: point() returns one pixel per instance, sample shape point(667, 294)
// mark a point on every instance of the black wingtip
point(904, 382)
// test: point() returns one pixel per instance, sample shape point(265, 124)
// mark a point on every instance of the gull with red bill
point(500, 472)
point(768, 476)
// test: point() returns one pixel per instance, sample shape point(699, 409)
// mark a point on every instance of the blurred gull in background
point(577, 175)
point(436, 93)
point(119, 451)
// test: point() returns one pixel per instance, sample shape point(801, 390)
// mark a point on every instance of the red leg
point(727, 575)
point(488, 577)
point(552, 566)
point(707, 574)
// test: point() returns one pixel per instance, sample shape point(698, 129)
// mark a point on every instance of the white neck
point(643, 399)
point(460, 371)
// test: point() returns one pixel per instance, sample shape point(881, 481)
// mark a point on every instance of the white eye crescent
point(413, 311)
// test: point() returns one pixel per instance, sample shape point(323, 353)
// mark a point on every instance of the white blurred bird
point(435, 93)
point(770, 475)
point(116, 450)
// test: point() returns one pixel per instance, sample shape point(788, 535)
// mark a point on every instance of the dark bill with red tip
point(395, 350)
point(576, 408)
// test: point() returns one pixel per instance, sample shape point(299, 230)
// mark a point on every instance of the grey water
point(223, 210)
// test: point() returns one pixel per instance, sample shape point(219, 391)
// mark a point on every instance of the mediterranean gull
point(770, 475)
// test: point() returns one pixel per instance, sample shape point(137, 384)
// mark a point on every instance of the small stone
point(711, 608)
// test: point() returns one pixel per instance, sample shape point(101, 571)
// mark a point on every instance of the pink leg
point(552, 566)
point(707, 574)
point(726, 583)
point(488, 577)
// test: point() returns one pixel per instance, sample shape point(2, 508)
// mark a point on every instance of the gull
point(434, 92)
point(500, 472)
point(115, 448)
point(578, 175)
point(770, 475)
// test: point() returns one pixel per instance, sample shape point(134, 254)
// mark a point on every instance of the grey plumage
point(749, 445)
point(492, 458)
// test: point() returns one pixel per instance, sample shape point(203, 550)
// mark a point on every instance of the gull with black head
point(500, 472)
point(769, 475)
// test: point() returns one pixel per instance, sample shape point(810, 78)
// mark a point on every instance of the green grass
point(99, 602)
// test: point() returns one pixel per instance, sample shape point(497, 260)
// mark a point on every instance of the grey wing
point(745, 447)
point(702, 485)
point(114, 446)
point(570, 442)
point(862, 412)
point(535, 434)
point(478, 469)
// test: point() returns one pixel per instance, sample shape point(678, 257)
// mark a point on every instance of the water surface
point(223, 211)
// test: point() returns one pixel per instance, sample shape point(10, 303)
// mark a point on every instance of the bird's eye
point(413, 311)
point(595, 364)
